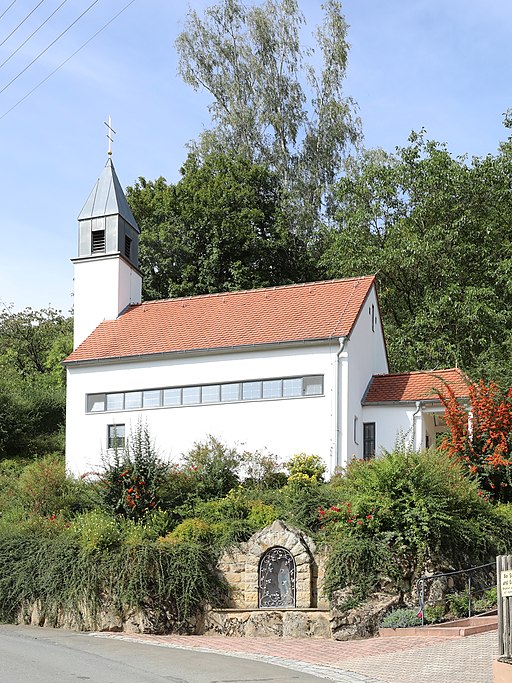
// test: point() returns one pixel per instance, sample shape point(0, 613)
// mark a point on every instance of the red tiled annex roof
point(317, 310)
point(415, 386)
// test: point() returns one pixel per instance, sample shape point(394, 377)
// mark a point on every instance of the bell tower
point(107, 276)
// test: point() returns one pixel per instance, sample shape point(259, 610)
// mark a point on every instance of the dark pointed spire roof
point(107, 198)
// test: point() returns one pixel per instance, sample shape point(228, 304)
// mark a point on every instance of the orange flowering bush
point(482, 438)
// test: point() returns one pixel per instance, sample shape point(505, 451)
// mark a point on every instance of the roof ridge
point(418, 372)
point(255, 289)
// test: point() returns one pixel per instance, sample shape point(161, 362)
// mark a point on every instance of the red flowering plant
point(344, 519)
point(481, 438)
point(132, 477)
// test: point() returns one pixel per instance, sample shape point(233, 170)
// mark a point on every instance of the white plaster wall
point(392, 422)
point(103, 287)
point(282, 426)
point(366, 357)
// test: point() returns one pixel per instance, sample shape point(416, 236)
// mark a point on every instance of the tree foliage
point(32, 386)
point(271, 103)
point(436, 230)
point(220, 228)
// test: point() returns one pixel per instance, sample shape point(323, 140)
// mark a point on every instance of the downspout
point(337, 403)
point(414, 416)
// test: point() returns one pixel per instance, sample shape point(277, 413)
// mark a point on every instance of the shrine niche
point(276, 579)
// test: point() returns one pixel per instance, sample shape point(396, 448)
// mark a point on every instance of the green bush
point(434, 614)
point(95, 530)
point(216, 466)
point(401, 618)
point(192, 531)
point(131, 477)
point(419, 509)
point(306, 468)
point(174, 578)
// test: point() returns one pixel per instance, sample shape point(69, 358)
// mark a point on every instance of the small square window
point(230, 392)
point(210, 393)
point(251, 390)
point(292, 387)
point(313, 386)
point(116, 436)
point(152, 398)
point(115, 401)
point(172, 397)
point(191, 395)
point(132, 399)
point(95, 403)
point(272, 388)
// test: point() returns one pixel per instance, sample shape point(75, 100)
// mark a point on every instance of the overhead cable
point(32, 34)
point(8, 8)
point(67, 60)
point(21, 23)
point(48, 47)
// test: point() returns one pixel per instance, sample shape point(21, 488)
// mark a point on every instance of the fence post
point(504, 586)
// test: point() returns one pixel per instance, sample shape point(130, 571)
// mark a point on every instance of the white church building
point(283, 370)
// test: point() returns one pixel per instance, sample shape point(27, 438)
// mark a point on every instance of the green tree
point(32, 381)
point(219, 228)
point(274, 100)
point(436, 230)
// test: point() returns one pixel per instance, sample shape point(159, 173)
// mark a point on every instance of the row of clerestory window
point(226, 392)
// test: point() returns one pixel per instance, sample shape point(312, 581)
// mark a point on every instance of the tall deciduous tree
point(32, 346)
point(274, 101)
point(437, 231)
point(220, 228)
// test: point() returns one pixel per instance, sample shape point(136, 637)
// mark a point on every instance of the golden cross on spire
point(111, 132)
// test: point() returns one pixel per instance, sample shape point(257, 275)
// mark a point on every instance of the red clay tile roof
point(317, 310)
point(415, 386)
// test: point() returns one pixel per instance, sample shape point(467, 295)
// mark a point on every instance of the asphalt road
point(37, 655)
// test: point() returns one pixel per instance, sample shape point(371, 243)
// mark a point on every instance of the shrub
point(43, 486)
point(303, 467)
point(262, 471)
point(173, 578)
point(95, 530)
point(192, 531)
point(131, 477)
point(401, 618)
point(418, 510)
point(216, 467)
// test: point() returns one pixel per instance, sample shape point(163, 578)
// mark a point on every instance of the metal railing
point(473, 587)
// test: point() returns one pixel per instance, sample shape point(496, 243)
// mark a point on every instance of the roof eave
point(323, 341)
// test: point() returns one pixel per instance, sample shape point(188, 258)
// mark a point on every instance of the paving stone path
point(376, 660)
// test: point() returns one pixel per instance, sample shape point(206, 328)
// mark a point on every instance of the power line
point(6, 10)
point(21, 22)
point(67, 60)
point(48, 47)
point(32, 34)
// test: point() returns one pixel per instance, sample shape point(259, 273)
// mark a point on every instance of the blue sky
point(443, 65)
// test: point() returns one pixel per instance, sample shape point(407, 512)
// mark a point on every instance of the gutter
point(414, 416)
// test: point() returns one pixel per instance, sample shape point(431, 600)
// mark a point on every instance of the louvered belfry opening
point(127, 246)
point(98, 241)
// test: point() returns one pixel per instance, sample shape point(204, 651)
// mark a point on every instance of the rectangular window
point(115, 401)
point(97, 241)
point(151, 398)
point(251, 391)
point(368, 440)
point(133, 399)
point(191, 395)
point(292, 387)
point(313, 386)
point(115, 436)
point(95, 403)
point(210, 393)
point(272, 388)
point(172, 397)
point(230, 392)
